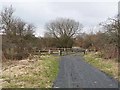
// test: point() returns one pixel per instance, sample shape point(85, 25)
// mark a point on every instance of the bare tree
point(18, 36)
point(64, 30)
point(7, 19)
point(114, 32)
point(110, 38)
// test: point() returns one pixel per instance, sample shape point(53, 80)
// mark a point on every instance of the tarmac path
point(76, 73)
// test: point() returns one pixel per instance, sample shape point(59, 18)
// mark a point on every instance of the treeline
point(107, 41)
point(19, 41)
point(17, 35)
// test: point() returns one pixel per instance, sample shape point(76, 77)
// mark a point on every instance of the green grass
point(108, 66)
point(39, 74)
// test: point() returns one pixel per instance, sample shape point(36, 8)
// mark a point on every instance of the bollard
point(60, 52)
point(50, 51)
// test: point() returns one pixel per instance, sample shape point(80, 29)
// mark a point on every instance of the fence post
point(50, 51)
point(60, 52)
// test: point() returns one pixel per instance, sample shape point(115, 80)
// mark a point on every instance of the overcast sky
point(38, 12)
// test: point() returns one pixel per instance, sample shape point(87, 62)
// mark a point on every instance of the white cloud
point(40, 12)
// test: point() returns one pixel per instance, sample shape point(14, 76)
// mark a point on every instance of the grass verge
point(39, 72)
point(109, 66)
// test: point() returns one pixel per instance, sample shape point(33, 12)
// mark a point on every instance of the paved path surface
point(75, 73)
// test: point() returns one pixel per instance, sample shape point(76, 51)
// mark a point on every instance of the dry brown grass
point(35, 73)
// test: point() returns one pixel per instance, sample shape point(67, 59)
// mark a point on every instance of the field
point(37, 72)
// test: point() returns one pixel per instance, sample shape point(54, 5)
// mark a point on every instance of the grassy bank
point(38, 72)
point(109, 66)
